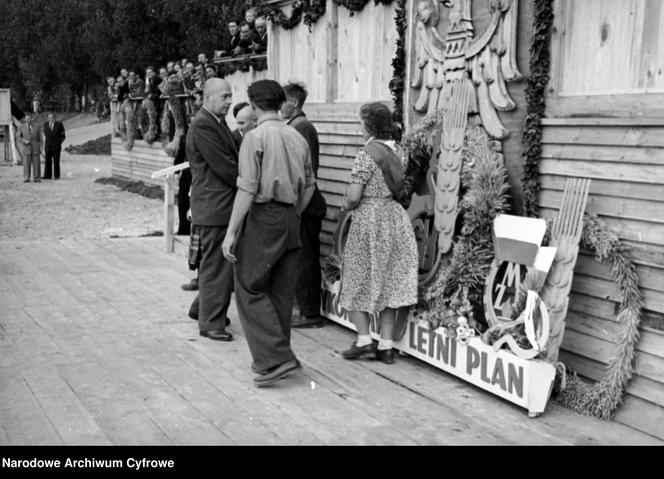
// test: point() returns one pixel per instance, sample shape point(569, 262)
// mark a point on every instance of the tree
point(52, 50)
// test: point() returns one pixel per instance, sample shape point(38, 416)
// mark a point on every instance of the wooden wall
point(240, 81)
point(344, 62)
point(139, 163)
point(624, 157)
point(302, 56)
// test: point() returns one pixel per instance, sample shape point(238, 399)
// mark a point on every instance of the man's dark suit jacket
point(302, 124)
point(213, 159)
point(152, 88)
point(261, 40)
point(237, 136)
point(232, 43)
point(55, 137)
point(317, 205)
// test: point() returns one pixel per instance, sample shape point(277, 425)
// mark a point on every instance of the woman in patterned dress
point(379, 268)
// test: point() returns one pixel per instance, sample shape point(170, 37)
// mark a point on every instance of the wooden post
point(169, 200)
point(332, 37)
point(12, 141)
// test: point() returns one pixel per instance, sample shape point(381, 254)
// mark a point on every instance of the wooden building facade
point(605, 121)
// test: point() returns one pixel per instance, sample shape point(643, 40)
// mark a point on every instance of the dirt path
point(74, 205)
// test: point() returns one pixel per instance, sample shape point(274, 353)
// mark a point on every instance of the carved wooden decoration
point(462, 75)
point(565, 235)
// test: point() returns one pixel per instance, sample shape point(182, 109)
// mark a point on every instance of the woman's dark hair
point(377, 120)
point(266, 95)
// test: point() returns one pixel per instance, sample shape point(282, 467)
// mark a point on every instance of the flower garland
point(603, 398)
point(460, 284)
point(132, 125)
point(356, 6)
point(149, 119)
point(310, 11)
point(314, 12)
point(278, 17)
point(531, 137)
point(419, 146)
point(399, 65)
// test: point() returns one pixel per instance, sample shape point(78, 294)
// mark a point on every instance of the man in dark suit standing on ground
point(213, 159)
point(308, 283)
point(54, 135)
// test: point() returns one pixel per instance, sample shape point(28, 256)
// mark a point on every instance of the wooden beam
point(332, 42)
point(169, 200)
point(170, 170)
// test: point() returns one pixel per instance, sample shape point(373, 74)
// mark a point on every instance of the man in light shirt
point(275, 184)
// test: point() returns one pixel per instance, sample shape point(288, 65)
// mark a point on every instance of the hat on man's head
point(266, 94)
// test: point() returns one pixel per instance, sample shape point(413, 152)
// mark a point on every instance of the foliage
point(418, 144)
point(358, 5)
point(602, 399)
point(531, 137)
point(399, 64)
point(76, 43)
point(100, 146)
point(484, 180)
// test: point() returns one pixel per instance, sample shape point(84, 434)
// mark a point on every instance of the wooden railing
point(169, 200)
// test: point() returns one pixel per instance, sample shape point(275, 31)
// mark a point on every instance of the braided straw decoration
point(448, 179)
point(565, 235)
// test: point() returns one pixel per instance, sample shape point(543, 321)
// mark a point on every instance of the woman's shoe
point(385, 355)
point(360, 352)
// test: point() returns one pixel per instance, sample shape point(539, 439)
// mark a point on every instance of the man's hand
point(189, 214)
point(227, 245)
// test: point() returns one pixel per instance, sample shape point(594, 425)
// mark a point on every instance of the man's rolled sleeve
point(249, 165)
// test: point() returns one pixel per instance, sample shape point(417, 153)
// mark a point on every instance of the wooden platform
point(97, 349)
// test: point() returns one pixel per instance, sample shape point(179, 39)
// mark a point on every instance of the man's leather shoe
point(37, 180)
point(360, 352)
point(277, 373)
point(191, 286)
point(217, 335)
point(304, 322)
point(385, 355)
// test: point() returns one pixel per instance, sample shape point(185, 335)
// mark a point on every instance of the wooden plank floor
point(96, 348)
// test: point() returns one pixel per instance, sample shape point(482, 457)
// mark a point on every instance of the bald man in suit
point(213, 159)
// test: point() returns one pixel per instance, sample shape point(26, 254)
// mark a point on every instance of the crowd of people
point(187, 77)
point(256, 216)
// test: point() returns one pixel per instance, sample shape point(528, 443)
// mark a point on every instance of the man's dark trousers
point(52, 162)
point(184, 184)
point(267, 256)
point(307, 288)
point(215, 280)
